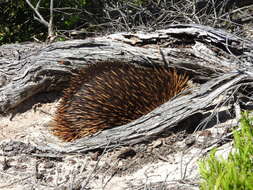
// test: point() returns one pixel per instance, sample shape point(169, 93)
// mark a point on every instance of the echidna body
point(106, 95)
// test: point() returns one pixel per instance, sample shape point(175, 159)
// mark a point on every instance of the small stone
point(206, 133)
point(49, 179)
point(20, 168)
point(190, 140)
point(157, 143)
point(6, 164)
point(71, 161)
point(23, 167)
point(95, 156)
point(49, 165)
point(23, 159)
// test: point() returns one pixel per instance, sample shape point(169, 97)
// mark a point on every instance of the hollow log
point(220, 63)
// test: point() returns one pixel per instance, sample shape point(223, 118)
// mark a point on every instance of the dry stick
point(95, 167)
point(203, 151)
point(215, 13)
point(215, 111)
point(163, 57)
point(111, 176)
point(116, 171)
point(40, 18)
point(183, 173)
point(12, 183)
point(237, 10)
point(50, 28)
point(74, 181)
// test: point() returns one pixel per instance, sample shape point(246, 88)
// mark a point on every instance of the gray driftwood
point(221, 62)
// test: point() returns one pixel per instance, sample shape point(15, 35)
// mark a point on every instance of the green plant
point(17, 21)
point(236, 172)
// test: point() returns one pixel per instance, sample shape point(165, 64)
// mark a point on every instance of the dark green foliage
point(82, 18)
point(17, 23)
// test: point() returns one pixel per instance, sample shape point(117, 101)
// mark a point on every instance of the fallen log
point(219, 64)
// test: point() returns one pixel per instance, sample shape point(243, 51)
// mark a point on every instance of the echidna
point(111, 94)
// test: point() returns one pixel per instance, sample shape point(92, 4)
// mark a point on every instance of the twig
point(12, 183)
point(40, 18)
point(95, 167)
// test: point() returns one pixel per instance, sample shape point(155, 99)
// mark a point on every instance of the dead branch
point(40, 18)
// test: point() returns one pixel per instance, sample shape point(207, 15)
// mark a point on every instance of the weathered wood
point(202, 50)
point(160, 120)
point(207, 54)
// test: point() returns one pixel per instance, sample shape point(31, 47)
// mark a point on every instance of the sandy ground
point(167, 163)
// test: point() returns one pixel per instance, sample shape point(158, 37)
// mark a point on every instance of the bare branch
point(50, 28)
point(38, 4)
point(40, 18)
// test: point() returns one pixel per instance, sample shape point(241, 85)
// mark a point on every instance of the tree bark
point(220, 62)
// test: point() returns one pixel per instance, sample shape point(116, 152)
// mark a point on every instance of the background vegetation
point(236, 172)
point(82, 18)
